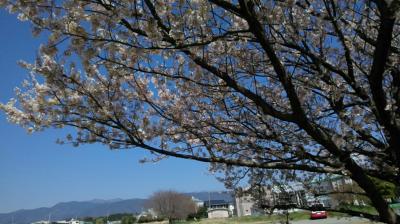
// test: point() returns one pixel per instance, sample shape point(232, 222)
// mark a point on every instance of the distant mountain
point(213, 195)
point(74, 209)
point(94, 208)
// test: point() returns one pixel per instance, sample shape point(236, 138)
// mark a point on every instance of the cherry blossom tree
point(259, 89)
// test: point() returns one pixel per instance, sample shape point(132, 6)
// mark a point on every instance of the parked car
point(318, 212)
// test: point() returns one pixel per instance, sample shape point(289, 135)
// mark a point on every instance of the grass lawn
point(366, 209)
point(259, 219)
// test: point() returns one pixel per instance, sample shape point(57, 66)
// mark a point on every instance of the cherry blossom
point(262, 90)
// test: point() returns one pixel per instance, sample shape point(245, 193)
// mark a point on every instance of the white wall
point(218, 213)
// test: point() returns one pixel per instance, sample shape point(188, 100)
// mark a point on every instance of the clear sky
point(37, 172)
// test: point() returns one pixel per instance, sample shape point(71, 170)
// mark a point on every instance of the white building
point(292, 194)
point(333, 183)
point(199, 203)
point(72, 221)
point(218, 209)
point(41, 222)
point(218, 213)
point(246, 205)
point(276, 197)
point(114, 222)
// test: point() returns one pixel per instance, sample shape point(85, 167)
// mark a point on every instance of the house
point(295, 194)
point(218, 209)
point(114, 222)
point(62, 222)
point(72, 221)
point(270, 198)
point(199, 203)
point(335, 183)
point(246, 205)
point(289, 195)
point(218, 213)
point(149, 212)
point(41, 222)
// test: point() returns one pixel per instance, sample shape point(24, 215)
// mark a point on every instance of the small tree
point(200, 213)
point(172, 205)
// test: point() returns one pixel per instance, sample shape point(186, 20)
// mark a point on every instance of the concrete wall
point(218, 213)
point(244, 205)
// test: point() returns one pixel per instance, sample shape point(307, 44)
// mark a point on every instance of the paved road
point(352, 220)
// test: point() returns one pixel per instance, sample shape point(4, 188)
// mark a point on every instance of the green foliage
point(127, 219)
point(275, 218)
point(201, 213)
point(115, 217)
point(89, 219)
point(100, 221)
point(364, 209)
point(385, 188)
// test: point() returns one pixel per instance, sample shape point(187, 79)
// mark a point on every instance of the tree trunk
point(386, 214)
point(287, 216)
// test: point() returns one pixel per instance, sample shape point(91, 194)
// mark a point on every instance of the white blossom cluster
point(271, 89)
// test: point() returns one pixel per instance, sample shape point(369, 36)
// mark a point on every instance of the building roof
point(331, 177)
point(291, 187)
point(215, 202)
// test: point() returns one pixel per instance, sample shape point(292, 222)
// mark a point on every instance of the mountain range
point(93, 208)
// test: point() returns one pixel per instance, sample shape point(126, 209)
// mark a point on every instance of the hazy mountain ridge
point(93, 208)
point(212, 195)
point(73, 209)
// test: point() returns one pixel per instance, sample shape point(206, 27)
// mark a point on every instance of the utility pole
point(209, 200)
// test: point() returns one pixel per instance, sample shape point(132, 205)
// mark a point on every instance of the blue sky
point(37, 172)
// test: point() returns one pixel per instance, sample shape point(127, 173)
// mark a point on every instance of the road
point(350, 220)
